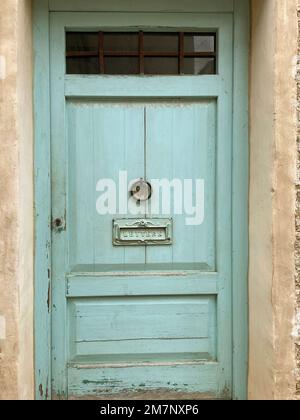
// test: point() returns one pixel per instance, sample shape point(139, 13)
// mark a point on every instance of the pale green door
point(139, 307)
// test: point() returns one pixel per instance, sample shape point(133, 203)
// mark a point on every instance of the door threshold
point(155, 395)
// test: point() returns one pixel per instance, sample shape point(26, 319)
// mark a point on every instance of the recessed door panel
point(103, 139)
point(139, 328)
point(170, 144)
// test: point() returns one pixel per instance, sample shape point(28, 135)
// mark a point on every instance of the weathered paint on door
point(147, 319)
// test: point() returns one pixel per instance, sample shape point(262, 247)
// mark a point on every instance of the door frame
point(42, 172)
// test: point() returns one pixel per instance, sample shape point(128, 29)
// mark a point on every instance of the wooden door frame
point(42, 171)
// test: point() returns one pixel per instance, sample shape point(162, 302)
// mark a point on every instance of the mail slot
point(142, 232)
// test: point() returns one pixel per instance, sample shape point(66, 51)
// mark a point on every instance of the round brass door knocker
point(141, 190)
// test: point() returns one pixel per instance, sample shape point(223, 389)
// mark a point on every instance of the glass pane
point(82, 41)
point(199, 66)
point(161, 42)
point(161, 65)
point(82, 65)
point(199, 43)
point(121, 42)
point(121, 65)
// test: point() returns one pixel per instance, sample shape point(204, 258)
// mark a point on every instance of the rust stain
point(49, 296)
point(41, 390)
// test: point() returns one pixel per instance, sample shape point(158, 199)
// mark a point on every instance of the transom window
point(150, 53)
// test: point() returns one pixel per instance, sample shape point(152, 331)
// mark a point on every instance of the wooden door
point(139, 317)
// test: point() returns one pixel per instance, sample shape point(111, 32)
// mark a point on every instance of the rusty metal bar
point(137, 54)
point(82, 54)
point(201, 54)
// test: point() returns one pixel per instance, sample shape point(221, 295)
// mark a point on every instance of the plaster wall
point(272, 307)
point(284, 177)
point(261, 198)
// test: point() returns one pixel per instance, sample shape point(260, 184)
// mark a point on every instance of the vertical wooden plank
point(117, 130)
point(81, 186)
point(185, 133)
point(240, 199)
point(42, 308)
